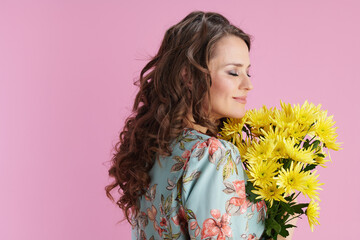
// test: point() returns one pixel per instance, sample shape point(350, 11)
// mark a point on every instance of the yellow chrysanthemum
point(277, 136)
point(274, 132)
point(319, 160)
point(286, 108)
point(298, 153)
point(259, 151)
point(232, 130)
point(284, 116)
point(311, 186)
point(312, 213)
point(307, 113)
point(259, 119)
point(270, 193)
point(263, 173)
point(243, 147)
point(291, 179)
point(324, 129)
point(286, 119)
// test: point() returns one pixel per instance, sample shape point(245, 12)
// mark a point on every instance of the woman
point(177, 179)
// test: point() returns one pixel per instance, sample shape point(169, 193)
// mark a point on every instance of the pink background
point(66, 74)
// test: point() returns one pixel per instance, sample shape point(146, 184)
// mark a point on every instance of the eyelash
point(235, 75)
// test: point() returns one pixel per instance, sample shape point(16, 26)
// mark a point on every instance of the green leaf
point(298, 207)
point(321, 155)
point(306, 144)
point(178, 159)
point(162, 200)
point(315, 144)
point(168, 202)
point(245, 130)
point(195, 174)
point(176, 236)
point(287, 208)
point(290, 198)
point(287, 163)
point(290, 226)
point(188, 139)
point(227, 169)
point(190, 214)
point(182, 147)
point(284, 232)
point(221, 161)
point(177, 167)
point(251, 196)
point(309, 167)
point(271, 224)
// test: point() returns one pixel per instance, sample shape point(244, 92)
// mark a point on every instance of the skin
point(228, 81)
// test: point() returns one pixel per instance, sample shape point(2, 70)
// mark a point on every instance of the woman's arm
point(215, 200)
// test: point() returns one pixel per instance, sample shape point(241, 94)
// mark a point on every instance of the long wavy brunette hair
point(172, 85)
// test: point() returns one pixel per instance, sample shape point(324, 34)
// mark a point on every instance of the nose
point(246, 83)
point(250, 86)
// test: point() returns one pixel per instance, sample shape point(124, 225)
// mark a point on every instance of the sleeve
point(213, 194)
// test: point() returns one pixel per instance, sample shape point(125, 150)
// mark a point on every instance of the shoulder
point(213, 155)
point(215, 149)
point(193, 150)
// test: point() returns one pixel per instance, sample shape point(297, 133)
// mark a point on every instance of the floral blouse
point(198, 193)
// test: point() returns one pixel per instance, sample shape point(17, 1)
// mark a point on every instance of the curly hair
point(165, 98)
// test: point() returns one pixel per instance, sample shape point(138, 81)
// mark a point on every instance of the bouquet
point(280, 151)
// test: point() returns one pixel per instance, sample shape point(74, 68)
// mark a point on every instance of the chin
point(237, 115)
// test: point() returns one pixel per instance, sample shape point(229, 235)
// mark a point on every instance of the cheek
point(222, 88)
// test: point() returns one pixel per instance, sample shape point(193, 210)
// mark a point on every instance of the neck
point(190, 123)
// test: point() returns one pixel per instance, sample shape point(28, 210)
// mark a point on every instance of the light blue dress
point(198, 193)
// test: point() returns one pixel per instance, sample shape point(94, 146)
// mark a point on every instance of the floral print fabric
point(198, 193)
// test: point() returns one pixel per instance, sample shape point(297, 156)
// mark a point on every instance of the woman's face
point(229, 69)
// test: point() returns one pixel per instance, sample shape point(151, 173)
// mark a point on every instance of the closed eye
point(235, 75)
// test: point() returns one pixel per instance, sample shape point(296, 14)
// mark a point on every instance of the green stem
point(306, 134)
point(293, 218)
point(296, 196)
point(312, 139)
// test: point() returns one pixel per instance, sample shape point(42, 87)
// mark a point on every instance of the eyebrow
point(237, 64)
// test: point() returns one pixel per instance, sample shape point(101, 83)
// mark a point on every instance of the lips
point(240, 99)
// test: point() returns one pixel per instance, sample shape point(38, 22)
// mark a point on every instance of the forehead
point(230, 49)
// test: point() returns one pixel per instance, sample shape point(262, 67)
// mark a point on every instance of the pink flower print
point(260, 205)
point(213, 144)
point(163, 222)
point(158, 229)
point(251, 237)
point(240, 188)
point(194, 146)
point(243, 203)
point(238, 205)
point(180, 219)
point(216, 226)
point(186, 155)
point(194, 226)
point(202, 145)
